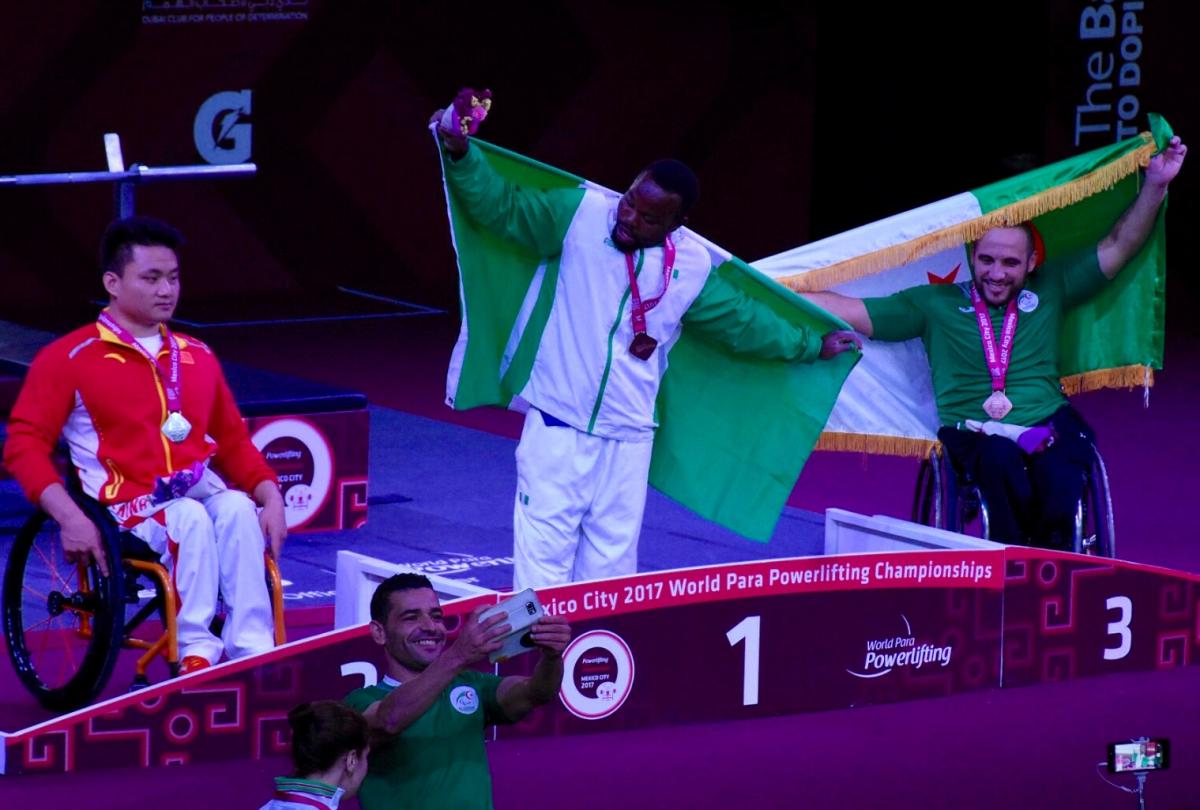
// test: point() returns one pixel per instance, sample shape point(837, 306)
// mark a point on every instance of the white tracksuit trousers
point(211, 542)
point(579, 505)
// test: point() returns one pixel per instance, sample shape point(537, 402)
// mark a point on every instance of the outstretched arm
point(1130, 232)
point(726, 315)
point(851, 310)
point(518, 695)
point(405, 704)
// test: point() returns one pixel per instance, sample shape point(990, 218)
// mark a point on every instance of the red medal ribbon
point(639, 308)
point(997, 360)
point(168, 376)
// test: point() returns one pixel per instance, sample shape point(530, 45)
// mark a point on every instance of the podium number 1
point(747, 630)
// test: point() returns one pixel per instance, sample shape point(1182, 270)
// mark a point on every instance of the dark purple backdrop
point(802, 120)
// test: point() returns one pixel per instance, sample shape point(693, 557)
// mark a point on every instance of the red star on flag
point(934, 278)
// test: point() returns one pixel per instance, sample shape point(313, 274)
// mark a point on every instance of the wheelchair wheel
point(1095, 531)
point(63, 621)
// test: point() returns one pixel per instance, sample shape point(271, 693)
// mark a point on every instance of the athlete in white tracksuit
point(584, 456)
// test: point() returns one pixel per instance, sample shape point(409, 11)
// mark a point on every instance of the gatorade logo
point(222, 128)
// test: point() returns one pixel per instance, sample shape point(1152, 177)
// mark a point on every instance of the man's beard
point(1010, 291)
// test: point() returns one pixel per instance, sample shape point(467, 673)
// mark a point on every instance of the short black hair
point(116, 246)
point(676, 177)
point(381, 600)
point(323, 731)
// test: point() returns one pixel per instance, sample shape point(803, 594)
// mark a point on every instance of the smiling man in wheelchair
point(992, 345)
point(147, 416)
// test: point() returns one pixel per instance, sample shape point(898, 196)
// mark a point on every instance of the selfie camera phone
point(1139, 756)
point(521, 610)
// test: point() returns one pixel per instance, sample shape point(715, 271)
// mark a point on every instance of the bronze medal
point(997, 405)
point(642, 346)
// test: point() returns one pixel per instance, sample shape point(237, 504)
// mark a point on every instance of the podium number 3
point(1119, 628)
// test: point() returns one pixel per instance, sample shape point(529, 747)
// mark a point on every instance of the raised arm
point(405, 704)
point(850, 310)
point(1129, 233)
point(535, 218)
point(518, 695)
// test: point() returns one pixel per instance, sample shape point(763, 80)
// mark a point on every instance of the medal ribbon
point(997, 360)
point(639, 308)
point(168, 376)
point(176, 485)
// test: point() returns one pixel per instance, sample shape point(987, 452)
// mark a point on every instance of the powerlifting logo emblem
point(883, 655)
point(599, 672)
point(302, 459)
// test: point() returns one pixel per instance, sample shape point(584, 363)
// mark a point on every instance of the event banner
point(777, 637)
point(708, 644)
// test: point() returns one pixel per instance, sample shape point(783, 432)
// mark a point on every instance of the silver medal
point(176, 428)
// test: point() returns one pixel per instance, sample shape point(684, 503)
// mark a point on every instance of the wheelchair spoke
point(56, 656)
point(39, 595)
point(69, 666)
point(37, 625)
point(51, 565)
point(64, 619)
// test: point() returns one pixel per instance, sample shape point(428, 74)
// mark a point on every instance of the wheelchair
point(65, 623)
point(946, 498)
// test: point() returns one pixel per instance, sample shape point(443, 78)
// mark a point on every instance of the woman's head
point(329, 742)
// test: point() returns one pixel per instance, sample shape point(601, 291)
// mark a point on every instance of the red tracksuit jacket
point(105, 398)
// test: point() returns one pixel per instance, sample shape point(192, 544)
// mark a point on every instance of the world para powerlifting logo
point(888, 653)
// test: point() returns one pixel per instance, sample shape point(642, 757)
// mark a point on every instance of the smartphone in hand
point(521, 610)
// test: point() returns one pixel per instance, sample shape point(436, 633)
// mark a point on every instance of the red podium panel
point(713, 643)
point(1067, 616)
point(721, 642)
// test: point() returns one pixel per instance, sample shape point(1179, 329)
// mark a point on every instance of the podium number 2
point(747, 630)
point(1119, 628)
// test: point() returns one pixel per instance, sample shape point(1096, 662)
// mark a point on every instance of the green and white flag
point(1113, 340)
point(734, 431)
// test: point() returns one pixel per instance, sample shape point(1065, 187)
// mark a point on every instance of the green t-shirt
point(439, 761)
point(943, 317)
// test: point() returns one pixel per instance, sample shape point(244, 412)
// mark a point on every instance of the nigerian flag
point(1113, 340)
point(734, 431)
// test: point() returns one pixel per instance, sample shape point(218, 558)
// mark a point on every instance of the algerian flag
point(734, 431)
point(1114, 340)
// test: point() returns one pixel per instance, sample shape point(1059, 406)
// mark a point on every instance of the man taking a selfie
point(429, 711)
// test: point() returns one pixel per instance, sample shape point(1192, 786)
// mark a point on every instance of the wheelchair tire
point(63, 634)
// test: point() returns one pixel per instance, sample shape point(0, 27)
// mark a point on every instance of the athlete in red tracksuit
point(100, 390)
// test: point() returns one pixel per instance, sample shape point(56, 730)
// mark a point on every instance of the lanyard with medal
point(642, 345)
point(997, 405)
point(175, 427)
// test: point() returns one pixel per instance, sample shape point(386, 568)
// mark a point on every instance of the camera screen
point(1145, 755)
